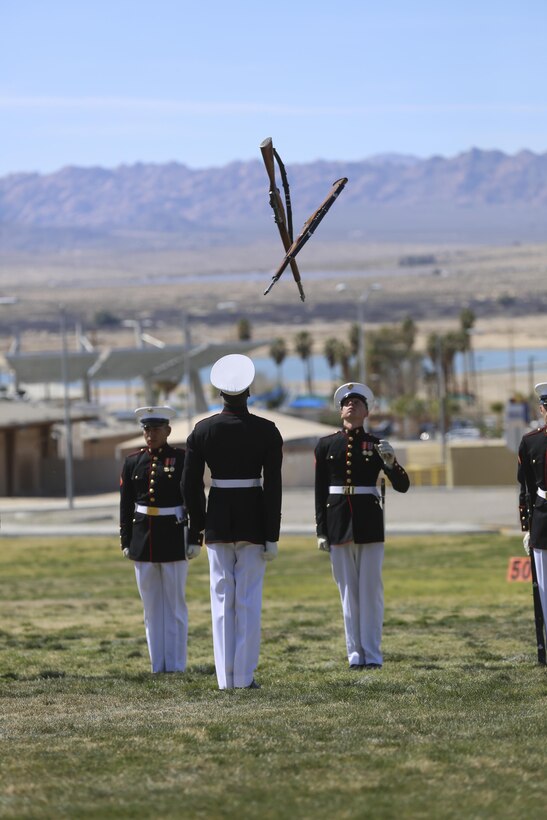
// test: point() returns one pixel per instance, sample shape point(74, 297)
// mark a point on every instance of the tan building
point(30, 464)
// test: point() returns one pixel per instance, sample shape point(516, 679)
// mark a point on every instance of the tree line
point(408, 382)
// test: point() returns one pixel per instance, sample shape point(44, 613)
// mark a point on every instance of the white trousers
point(357, 570)
point(236, 574)
point(540, 560)
point(162, 589)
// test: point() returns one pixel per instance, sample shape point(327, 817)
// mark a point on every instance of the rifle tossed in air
point(284, 221)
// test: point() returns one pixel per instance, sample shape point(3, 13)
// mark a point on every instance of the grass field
point(453, 726)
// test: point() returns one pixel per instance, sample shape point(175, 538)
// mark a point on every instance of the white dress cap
point(353, 389)
point(154, 416)
point(541, 390)
point(232, 374)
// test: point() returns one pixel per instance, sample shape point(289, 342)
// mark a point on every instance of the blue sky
point(107, 82)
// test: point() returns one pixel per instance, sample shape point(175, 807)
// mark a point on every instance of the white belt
point(541, 493)
point(140, 508)
point(235, 483)
point(352, 490)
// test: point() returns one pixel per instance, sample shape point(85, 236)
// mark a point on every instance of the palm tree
point(467, 321)
point(303, 346)
point(278, 352)
point(330, 353)
point(442, 350)
point(408, 333)
point(433, 347)
point(385, 361)
point(354, 339)
point(412, 411)
point(452, 344)
point(243, 330)
point(343, 355)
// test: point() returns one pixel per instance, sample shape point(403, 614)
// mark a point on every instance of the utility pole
point(69, 475)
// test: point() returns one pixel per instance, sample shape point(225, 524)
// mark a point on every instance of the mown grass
point(452, 726)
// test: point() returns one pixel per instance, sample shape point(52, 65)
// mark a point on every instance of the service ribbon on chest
point(367, 449)
point(169, 466)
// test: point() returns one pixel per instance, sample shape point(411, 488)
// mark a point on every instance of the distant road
point(421, 510)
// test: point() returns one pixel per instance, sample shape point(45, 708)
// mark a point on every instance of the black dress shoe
point(373, 665)
point(356, 665)
point(253, 685)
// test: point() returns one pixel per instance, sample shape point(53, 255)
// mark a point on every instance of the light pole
point(480, 404)
point(69, 474)
point(442, 398)
point(8, 300)
point(512, 368)
point(136, 324)
point(531, 376)
point(187, 376)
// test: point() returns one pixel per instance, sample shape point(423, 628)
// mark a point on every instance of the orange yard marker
point(519, 569)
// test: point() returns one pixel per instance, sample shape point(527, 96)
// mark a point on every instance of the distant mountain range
point(475, 196)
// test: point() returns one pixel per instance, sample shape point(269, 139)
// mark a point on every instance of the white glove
point(125, 552)
point(526, 543)
point(323, 544)
point(270, 550)
point(386, 452)
point(192, 551)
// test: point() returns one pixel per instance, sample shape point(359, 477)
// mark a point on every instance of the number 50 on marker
point(519, 569)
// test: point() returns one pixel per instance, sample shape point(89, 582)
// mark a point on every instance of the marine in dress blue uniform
point(350, 522)
point(152, 535)
point(241, 518)
point(532, 478)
